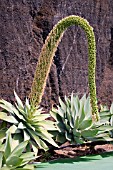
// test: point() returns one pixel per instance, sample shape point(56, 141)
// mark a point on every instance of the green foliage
point(48, 52)
point(27, 123)
point(13, 158)
point(75, 124)
point(111, 120)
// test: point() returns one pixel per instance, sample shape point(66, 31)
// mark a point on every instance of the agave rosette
point(75, 124)
point(111, 120)
point(27, 123)
point(14, 158)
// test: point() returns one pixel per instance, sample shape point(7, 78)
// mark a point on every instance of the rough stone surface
point(24, 25)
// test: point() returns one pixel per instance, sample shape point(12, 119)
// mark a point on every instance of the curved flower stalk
point(47, 54)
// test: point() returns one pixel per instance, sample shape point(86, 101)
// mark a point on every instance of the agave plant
point(27, 123)
point(13, 158)
point(111, 120)
point(75, 124)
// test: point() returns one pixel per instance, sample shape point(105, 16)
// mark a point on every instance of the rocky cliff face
point(24, 25)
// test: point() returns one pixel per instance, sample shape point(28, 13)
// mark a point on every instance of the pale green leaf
point(5, 168)
point(35, 149)
point(20, 104)
point(26, 136)
point(87, 108)
point(18, 114)
point(78, 140)
point(37, 112)
point(6, 105)
point(46, 136)
point(63, 106)
point(15, 161)
point(89, 133)
point(54, 113)
point(40, 117)
point(82, 115)
point(61, 112)
point(85, 124)
point(27, 104)
point(21, 126)
point(18, 150)
point(8, 145)
point(105, 128)
point(76, 133)
point(10, 119)
point(111, 111)
point(27, 157)
point(36, 138)
point(69, 117)
point(26, 167)
point(76, 104)
point(48, 125)
point(76, 123)
point(12, 129)
point(1, 157)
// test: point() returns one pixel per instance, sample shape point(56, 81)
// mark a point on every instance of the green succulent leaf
point(76, 124)
point(37, 139)
point(61, 138)
point(87, 108)
point(47, 125)
point(82, 115)
point(26, 136)
point(6, 105)
point(78, 140)
point(24, 119)
point(5, 168)
point(76, 104)
point(105, 128)
point(76, 133)
point(74, 121)
point(86, 124)
point(10, 119)
point(13, 158)
point(68, 136)
point(63, 106)
point(19, 102)
point(3, 133)
point(26, 167)
point(27, 157)
point(54, 113)
point(1, 157)
point(15, 161)
point(18, 150)
point(3, 125)
point(61, 112)
point(89, 133)
point(40, 117)
point(8, 146)
point(47, 137)
point(21, 126)
point(12, 129)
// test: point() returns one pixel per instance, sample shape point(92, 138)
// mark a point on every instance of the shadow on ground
point(94, 162)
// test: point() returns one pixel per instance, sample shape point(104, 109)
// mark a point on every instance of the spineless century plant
point(48, 52)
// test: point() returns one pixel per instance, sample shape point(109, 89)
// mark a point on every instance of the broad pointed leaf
point(85, 124)
point(18, 150)
point(10, 119)
point(8, 145)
